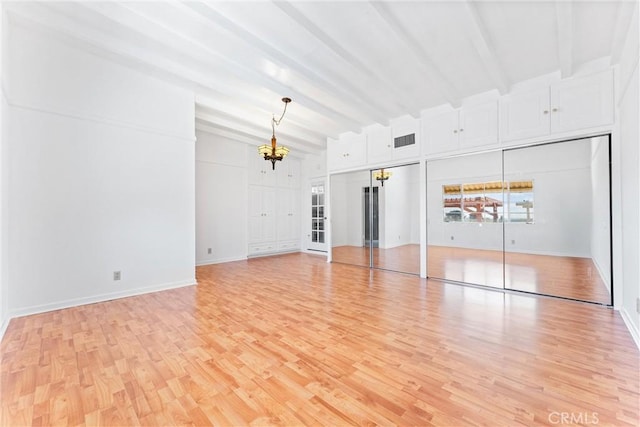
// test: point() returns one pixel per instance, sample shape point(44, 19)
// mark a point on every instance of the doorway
point(371, 217)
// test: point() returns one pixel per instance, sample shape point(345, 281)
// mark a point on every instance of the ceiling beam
point(259, 136)
point(564, 22)
point(482, 42)
point(345, 88)
point(432, 71)
point(209, 106)
point(234, 135)
point(364, 71)
point(181, 44)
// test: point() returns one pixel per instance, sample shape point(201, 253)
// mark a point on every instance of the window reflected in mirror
point(482, 202)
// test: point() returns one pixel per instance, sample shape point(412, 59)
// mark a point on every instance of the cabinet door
point(288, 218)
point(441, 133)
point(261, 213)
point(524, 115)
point(478, 125)
point(289, 174)
point(582, 102)
point(379, 144)
point(261, 171)
point(347, 152)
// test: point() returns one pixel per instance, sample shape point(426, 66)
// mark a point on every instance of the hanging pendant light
point(273, 152)
point(381, 175)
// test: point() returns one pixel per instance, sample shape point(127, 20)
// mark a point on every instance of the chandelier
point(272, 152)
point(381, 175)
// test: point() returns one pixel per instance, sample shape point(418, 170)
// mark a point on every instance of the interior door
point(317, 236)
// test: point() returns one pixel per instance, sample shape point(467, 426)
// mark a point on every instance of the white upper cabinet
point(524, 115)
point(478, 125)
point(441, 133)
point(261, 171)
point(379, 143)
point(582, 102)
point(569, 105)
point(288, 173)
point(347, 152)
point(469, 126)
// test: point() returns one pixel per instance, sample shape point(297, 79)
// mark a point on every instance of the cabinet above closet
point(568, 105)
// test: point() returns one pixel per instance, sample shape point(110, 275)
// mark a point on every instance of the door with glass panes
point(317, 235)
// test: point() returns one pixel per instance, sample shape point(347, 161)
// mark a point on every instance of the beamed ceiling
point(345, 64)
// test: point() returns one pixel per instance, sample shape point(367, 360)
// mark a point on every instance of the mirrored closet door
point(348, 191)
point(375, 218)
point(557, 236)
point(533, 219)
point(397, 218)
point(465, 210)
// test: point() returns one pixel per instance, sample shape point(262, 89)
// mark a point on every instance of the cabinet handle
point(455, 131)
point(461, 130)
point(389, 145)
point(546, 111)
point(554, 110)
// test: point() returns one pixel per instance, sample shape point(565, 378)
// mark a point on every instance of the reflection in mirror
point(465, 211)
point(396, 218)
point(557, 237)
point(348, 192)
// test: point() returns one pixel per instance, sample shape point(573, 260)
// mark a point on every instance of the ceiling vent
point(403, 141)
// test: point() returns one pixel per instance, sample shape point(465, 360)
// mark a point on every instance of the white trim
point(36, 309)
point(213, 261)
point(3, 327)
point(633, 330)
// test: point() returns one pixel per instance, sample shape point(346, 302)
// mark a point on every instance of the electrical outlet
point(209, 251)
point(116, 275)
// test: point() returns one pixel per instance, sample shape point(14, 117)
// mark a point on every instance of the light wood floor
point(568, 277)
point(292, 340)
point(405, 258)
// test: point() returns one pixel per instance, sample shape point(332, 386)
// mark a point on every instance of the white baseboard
point(633, 329)
point(36, 309)
point(219, 260)
point(4, 326)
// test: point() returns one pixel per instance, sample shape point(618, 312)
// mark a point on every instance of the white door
point(318, 234)
point(524, 115)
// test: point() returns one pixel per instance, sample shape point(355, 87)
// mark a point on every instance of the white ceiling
point(345, 64)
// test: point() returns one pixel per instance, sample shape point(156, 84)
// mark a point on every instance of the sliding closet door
point(397, 218)
point(557, 219)
point(465, 210)
point(349, 218)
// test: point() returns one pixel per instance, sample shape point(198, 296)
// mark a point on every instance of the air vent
point(403, 141)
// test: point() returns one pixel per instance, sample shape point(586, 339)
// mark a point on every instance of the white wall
point(221, 199)
point(101, 178)
point(626, 167)
point(4, 290)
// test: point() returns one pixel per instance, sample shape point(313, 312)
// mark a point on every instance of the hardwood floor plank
point(292, 340)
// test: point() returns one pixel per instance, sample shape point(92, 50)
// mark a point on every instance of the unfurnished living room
point(420, 213)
